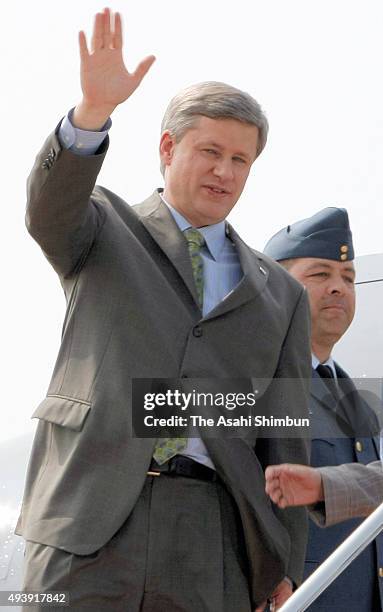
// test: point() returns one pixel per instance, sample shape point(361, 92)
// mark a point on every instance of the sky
point(316, 69)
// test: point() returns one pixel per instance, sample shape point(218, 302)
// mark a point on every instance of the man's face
point(331, 291)
point(206, 171)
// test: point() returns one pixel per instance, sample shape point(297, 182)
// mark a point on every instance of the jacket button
point(359, 446)
point(197, 331)
point(381, 572)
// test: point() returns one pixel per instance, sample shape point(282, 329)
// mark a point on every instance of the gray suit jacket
point(350, 490)
point(131, 311)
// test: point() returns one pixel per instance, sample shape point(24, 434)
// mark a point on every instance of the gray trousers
point(180, 550)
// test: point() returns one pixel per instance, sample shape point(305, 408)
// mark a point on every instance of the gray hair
point(214, 100)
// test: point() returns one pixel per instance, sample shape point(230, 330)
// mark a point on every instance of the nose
point(337, 285)
point(223, 169)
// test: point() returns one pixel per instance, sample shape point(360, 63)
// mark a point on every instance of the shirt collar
point(330, 362)
point(215, 235)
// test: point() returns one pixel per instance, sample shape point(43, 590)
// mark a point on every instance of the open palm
point(105, 81)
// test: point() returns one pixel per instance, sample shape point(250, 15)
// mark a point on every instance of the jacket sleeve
point(350, 490)
point(292, 384)
point(61, 215)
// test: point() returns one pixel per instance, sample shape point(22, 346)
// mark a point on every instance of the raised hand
point(293, 485)
point(105, 81)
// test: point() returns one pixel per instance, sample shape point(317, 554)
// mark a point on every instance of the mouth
point(335, 307)
point(215, 190)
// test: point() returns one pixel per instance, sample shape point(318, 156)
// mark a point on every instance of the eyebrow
point(328, 266)
point(211, 143)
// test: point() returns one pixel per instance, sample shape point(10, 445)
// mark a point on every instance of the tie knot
point(194, 238)
point(324, 371)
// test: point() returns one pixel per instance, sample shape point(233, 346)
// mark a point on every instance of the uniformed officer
point(319, 252)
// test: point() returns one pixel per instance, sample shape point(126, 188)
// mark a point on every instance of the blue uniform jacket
point(359, 588)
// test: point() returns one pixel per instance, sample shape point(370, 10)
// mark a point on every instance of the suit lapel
point(160, 224)
point(252, 283)
point(321, 392)
point(158, 221)
point(345, 382)
point(353, 416)
point(361, 414)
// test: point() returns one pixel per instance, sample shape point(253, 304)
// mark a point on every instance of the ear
point(167, 144)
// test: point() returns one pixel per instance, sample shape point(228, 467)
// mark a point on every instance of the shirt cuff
point(82, 142)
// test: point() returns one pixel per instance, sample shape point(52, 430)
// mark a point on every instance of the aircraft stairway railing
point(334, 565)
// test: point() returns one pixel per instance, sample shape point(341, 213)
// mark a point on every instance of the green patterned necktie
point(195, 242)
point(166, 448)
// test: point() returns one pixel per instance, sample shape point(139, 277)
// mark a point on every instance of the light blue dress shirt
point(82, 142)
point(221, 267)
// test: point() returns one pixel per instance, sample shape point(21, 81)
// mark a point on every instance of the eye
point(239, 159)
point(211, 151)
point(320, 274)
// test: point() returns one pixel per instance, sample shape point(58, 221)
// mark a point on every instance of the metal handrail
point(334, 565)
